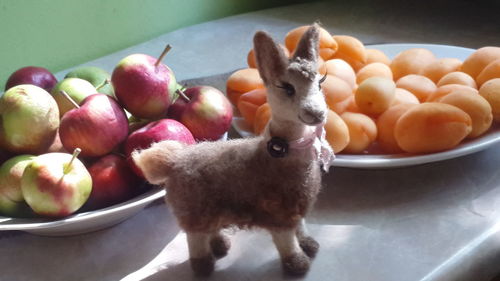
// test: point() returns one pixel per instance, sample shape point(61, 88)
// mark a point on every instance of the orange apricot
point(375, 95)
point(476, 106)
point(386, 123)
point(351, 50)
point(327, 45)
point(337, 133)
point(457, 77)
point(341, 69)
point(249, 102)
point(262, 117)
point(362, 131)
point(402, 96)
point(492, 70)
point(252, 63)
point(431, 127)
point(440, 67)
point(418, 85)
point(490, 90)
point(376, 69)
point(242, 81)
point(479, 59)
point(336, 91)
point(411, 61)
point(447, 89)
point(374, 55)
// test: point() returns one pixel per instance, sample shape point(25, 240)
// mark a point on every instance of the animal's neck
point(286, 129)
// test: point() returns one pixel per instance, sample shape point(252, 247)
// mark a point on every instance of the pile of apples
point(65, 146)
point(414, 103)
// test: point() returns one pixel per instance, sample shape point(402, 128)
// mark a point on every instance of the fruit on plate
point(98, 77)
point(113, 182)
point(56, 184)
point(33, 75)
point(375, 95)
point(205, 111)
point(11, 197)
point(29, 119)
point(163, 129)
point(78, 89)
point(242, 81)
point(97, 126)
point(144, 85)
point(327, 45)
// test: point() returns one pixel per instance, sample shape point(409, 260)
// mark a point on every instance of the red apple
point(112, 182)
point(33, 75)
point(144, 85)
point(97, 126)
point(164, 129)
point(205, 111)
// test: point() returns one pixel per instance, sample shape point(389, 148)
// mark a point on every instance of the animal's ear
point(155, 162)
point(271, 60)
point(307, 49)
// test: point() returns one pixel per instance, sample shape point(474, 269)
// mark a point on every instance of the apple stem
point(104, 83)
point(182, 95)
point(69, 99)
point(165, 51)
point(75, 154)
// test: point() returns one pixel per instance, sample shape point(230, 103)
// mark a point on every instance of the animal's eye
point(322, 80)
point(288, 88)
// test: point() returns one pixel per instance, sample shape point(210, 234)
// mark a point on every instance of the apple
point(164, 129)
point(113, 182)
point(29, 119)
point(78, 89)
point(33, 75)
point(97, 126)
point(205, 111)
point(98, 77)
point(11, 197)
point(56, 184)
point(144, 85)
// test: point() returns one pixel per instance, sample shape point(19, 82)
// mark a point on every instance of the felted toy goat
point(268, 181)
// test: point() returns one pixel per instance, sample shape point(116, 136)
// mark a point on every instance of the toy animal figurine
point(268, 181)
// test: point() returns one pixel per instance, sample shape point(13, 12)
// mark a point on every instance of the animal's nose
point(312, 116)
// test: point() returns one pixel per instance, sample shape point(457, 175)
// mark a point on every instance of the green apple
point(29, 118)
point(96, 76)
point(11, 197)
point(78, 89)
point(56, 184)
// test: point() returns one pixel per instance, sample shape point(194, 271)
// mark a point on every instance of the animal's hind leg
point(220, 244)
point(306, 242)
point(200, 254)
point(293, 258)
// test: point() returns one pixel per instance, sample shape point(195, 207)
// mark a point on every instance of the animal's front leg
point(200, 253)
point(293, 258)
point(306, 242)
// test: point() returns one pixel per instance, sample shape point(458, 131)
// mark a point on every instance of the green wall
point(58, 34)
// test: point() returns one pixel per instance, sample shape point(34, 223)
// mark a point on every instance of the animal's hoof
point(220, 245)
point(309, 246)
point(297, 264)
point(203, 266)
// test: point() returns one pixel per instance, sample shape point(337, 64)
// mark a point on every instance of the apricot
point(249, 102)
point(351, 50)
point(457, 77)
point(490, 90)
point(447, 89)
point(432, 127)
point(362, 131)
point(376, 69)
point(252, 63)
point(337, 133)
point(411, 61)
point(403, 96)
point(476, 106)
point(479, 59)
point(440, 67)
point(262, 117)
point(327, 45)
point(336, 91)
point(418, 85)
point(375, 95)
point(242, 81)
point(386, 123)
point(341, 69)
point(374, 55)
point(351, 105)
point(321, 66)
point(492, 70)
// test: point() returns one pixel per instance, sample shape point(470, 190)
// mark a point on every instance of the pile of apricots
point(414, 103)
